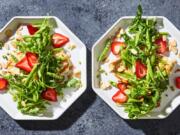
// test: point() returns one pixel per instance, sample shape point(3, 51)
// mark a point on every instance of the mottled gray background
point(89, 19)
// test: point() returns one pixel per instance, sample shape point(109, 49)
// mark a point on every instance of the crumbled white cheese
point(120, 68)
point(172, 43)
point(104, 85)
point(133, 51)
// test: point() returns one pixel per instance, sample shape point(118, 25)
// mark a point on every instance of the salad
point(138, 65)
point(35, 67)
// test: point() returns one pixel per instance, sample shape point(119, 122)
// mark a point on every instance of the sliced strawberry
point(59, 40)
point(119, 97)
point(32, 30)
point(177, 82)
point(141, 69)
point(122, 86)
point(23, 64)
point(49, 94)
point(116, 47)
point(3, 84)
point(162, 48)
point(32, 59)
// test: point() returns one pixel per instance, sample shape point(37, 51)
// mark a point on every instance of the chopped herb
point(97, 75)
point(172, 88)
point(114, 84)
point(1, 44)
point(5, 57)
point(101, 70)
point(14, 58)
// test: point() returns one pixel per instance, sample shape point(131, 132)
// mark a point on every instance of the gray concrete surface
point(89, 19)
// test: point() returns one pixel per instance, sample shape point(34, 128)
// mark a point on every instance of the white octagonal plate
point(168, 103)
point(78, 58)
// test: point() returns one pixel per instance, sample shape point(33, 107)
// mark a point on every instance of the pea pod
point(149, 71)
point(105, 50)
point(55, 76)
point(31, 74)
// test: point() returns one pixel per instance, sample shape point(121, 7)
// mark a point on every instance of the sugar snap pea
point(103, 54)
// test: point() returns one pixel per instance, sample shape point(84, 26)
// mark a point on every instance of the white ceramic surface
point(78, 55)
point(168, 104)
